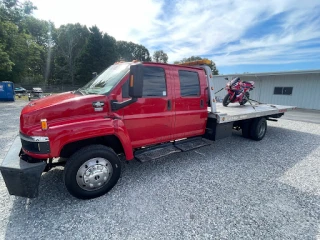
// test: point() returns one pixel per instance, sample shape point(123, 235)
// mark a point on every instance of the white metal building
point(296, 88)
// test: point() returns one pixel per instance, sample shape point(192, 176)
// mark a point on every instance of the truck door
point(190, 102)
point(150, 119)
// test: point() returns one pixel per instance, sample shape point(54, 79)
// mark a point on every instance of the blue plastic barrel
point(7, 91)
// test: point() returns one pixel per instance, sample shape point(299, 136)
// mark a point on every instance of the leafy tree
point(42, 33)
point(160, 56)
point(16, 46)
point(14, 11)
point(21, 53)
point(33, 50)
point(5, 62)
point(212, 65)
point(99, 53)
point(6, 32)
point(109, 50)
point(70, 41)
point(129, 51)
point(141, 53)
point(39, 29)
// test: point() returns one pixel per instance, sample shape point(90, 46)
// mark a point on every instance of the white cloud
point(124, 20)
point(216, 29)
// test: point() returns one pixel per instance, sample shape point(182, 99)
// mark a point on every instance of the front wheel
point(92, 171)
point(226, 100)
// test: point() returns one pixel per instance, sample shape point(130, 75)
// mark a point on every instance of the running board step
point(163, 150)
point(191, 143)
point(153, 153)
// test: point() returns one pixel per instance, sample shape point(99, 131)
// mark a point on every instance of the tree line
point(35, 51)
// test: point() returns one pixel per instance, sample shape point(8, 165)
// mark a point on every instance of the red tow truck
point(140, 110)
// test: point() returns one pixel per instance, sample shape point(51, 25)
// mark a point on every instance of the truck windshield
point(105, 81)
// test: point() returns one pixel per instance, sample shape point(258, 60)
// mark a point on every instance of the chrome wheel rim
point(94, 174)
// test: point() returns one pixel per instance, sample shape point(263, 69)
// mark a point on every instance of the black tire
point(226, 100)
point(75, 164)
point(245, 129)
point(245, 98)
point(258, 129)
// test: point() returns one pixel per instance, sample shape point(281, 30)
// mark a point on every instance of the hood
point(58, 107)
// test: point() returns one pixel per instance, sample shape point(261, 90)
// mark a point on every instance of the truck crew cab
point(141, 110)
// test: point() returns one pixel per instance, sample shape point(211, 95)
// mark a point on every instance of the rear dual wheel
point(256, 129)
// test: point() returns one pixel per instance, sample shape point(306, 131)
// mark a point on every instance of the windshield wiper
point(83, 92)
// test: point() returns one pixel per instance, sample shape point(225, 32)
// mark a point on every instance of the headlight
point(40, 139)
point(34, 138)
point(35, 144)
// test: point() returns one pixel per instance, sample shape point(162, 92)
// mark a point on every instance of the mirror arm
point(115, 105)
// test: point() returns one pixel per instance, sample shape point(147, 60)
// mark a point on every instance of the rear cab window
point(189, 83)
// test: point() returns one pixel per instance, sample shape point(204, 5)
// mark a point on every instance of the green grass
point(25, 98)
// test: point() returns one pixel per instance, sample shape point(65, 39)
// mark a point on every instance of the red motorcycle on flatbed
point(238, 91)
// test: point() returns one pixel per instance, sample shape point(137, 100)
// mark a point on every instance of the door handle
point(169, 105)
point(201, 103)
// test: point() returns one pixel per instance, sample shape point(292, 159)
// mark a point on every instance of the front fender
point(123, 135)
point(63, 134)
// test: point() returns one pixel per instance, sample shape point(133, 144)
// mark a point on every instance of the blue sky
point(238, 35)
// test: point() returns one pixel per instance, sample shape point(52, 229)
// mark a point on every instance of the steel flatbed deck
point(235, 112)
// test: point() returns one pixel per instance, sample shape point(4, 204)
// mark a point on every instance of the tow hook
point(51, 164)
point(48, 166)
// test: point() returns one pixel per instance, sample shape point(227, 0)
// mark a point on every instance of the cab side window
point(154, 82)
point(189, 83)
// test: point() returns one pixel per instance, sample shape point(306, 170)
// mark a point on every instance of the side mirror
point(136, 81)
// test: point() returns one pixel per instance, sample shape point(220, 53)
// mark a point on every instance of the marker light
point(131, 81)
point(199, 62)
point(44, 124)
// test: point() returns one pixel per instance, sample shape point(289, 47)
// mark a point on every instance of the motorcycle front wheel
point(226, 100)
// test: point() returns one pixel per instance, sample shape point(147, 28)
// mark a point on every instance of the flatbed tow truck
point(139, 110)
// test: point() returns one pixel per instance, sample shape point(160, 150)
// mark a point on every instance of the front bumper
point(21, 178)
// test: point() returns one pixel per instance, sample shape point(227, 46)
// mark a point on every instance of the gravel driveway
point(233, 189)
